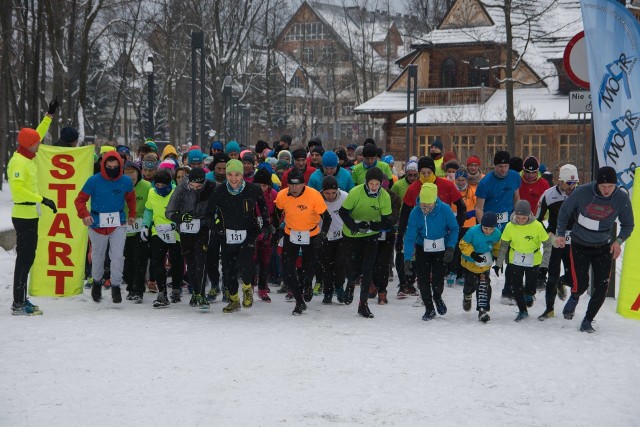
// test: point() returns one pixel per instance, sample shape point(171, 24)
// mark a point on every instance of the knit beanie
point(162, 176)
point(411, 166)
point(473, 159)
point(197, 175)
point(295, 176)
point(330, 159)
point(531, 164)
point(500, 158)
point(489, 219)
point(522, 208)
point(428, 193)
point(234, 165)
point(299, 154)
point(426, 162)
point(69, 135)
point(262, 176)
point(195, 156)
point(369, 150)
point(28, 137)
point(286, 153)
point(248, 157)
point(606, 175)
point(232, 147)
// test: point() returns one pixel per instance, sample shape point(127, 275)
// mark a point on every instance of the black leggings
point(136, 256)
point(289, 257)
point(430, 270)
point(159, 251)
point(238, 259)
point(194, 249)
point(26, 244)
point(362, 251)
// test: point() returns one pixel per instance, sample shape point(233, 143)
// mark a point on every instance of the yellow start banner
point(629, 293)
point(58, 269)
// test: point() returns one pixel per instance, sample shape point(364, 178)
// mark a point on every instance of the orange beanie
point(28, 137)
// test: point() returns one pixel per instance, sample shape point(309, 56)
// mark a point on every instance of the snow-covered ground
point(83, 363)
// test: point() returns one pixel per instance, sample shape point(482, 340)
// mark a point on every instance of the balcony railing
point(454, 96)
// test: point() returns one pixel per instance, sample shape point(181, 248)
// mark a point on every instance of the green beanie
point(234, 165)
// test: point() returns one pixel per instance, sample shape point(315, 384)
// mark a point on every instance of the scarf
point(474, 179)
point(235, 192)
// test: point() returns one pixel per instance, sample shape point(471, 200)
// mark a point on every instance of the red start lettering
point(62, 189)
point(61, 251)
point(60, 225)
point(60, 277)
point(636, 305)
point(64, 162)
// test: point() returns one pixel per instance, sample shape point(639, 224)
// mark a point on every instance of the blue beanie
point(462, 173)
point(330, 159)
point(388, 159)
point(232, 147)
point(217, 145)
point(195, 156)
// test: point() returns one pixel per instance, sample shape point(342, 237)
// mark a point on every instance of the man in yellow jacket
point(23, 182)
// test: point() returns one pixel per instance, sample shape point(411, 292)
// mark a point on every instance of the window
point(568, 148)
point(291, 109)
point(329, 53)
point(347, 108)
point(296, 82)
point(424, 142)
point(307, 31)
point(479, 72)
point(449, 73)
point(307, 54)
point(464, 146)
point(495, 143)
point(534, 145)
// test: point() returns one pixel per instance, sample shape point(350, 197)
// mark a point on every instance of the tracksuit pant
point(362, 251)
point(599, 258)
point(113, 242)
point(384, 257)
point(290, 252)
point(558, 255)
point(480, 283)
point(332, 260)
point(26, 244)
point(159, 250)
point(514, 274)
point(136, 257)
point(237, 260)
point(430, 271)
point(194, 249)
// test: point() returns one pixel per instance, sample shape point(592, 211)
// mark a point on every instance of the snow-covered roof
point(385, 102)
point(547, 40)
point(530, 104)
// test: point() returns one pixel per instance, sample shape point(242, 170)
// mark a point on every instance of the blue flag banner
point(612, 37)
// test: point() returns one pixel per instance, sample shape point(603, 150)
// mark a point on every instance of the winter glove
point(408, 267)
point(363, 226)
point(319, 240)
point(187, 217)
point(497, 270)
point(53, 106)
point(50, 204)
point(173, 226)
point(448, 255)
point(477, 257)
point(144, 233)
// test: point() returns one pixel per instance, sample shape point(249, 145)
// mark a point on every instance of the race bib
point(300, 237)
point(334, 235)
point(135, 227)
point(523, 260)
point(382, 236)
point(235, 237)
point(165, 233)
point(434, 245)
point(190, 227)
point(488, 260)
point(588, 223)
point(502, 217)
point(567, 237)
point(109, 219)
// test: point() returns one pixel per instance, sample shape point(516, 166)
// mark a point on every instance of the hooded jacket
point(185, 200)
point(168, 149)
point(107, 195)
point(594, 215)
point(525, 239)
point(440, 223)
point(345, 183)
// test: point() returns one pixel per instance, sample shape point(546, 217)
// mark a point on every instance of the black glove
point(319, 240)
point(497, 270)
point(50, 204)
point(448, 255)
point(477, 257)
point(187, 217)
point(408, 267)
point(53, 106)
point(363, 226)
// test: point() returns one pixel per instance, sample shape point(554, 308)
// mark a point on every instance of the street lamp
point(227, 93)
point(148, 68)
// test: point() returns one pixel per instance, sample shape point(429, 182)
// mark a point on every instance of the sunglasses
point(531, 172)
point(571, 182)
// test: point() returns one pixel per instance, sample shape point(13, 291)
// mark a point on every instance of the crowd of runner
point(229, 222)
